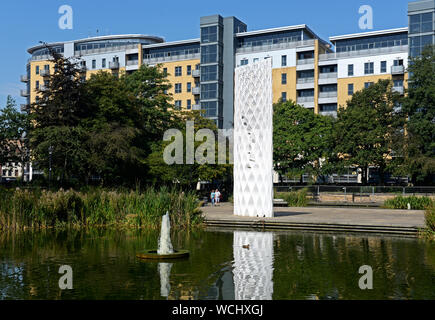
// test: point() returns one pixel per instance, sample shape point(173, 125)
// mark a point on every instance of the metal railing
point(44, 72)
point(132, 62)
point(398, 89)
point(305, 99)
point(274, 46)
point(305, 61)
point(106, 49)
point(329, 94)
point(196, 73)
point(153, 60)
point(24, 78)
point(304, 80)
point(365, 52)
point(397, 69)
point(113, 65)
point(196, 90)
point(328, 75)
point(24, 93)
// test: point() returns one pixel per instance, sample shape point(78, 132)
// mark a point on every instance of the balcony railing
point(196, 90)
point(24, 107)
point(328, 75)
point(399, 89)
point(196, 107)
point(196, 73)
point(274, 46)
point(24, 78)
point(366, 52)
point(305, 61)
point(329, 94)
point(304, 80)
point(44, 73)
point(113, 65)
point(43, 88)
point(106, 49)
point(154, 60)
point(305, 99)
point(397, 70)
point(132, 62)
point(24, 93)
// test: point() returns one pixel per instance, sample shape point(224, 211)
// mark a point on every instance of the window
point(398, 83)
point(209, 73)
point(47, 67)
point(210, 108)
point(189, 87)
point(243, 62)
point(369, 68)
point(177, 104)
point(189, 70)
point(37, 70)
point(367, 84)
point(209, 53)
point(165, 71)
point(284, 96)
point(283, 78)
point(189, 104)
point(420, 23)
point(37, 85)
point(256, 60)
point(209, 34)
point(398, 62)
point(383, 66)
point(350, 70)
point(283, 61)
point(350, 89)
point(209, 91)
point(178, 71)
point(178, 88)
point(103, 63)
point(94, 64)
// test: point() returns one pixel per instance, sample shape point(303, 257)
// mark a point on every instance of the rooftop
point(368, 34)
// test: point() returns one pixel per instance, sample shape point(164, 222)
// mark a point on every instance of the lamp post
point(50, 152)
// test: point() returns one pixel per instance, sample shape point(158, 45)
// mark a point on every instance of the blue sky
point(23, 23)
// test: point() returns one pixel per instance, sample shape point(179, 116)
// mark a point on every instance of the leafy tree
point(302, 140)
point(188, 175)
point(419, 106)
point(364, 129)
point(13, 134)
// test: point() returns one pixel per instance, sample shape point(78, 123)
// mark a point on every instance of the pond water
point(278, 265)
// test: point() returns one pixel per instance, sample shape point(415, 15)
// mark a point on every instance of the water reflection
point(253, 265)
point(165, 272)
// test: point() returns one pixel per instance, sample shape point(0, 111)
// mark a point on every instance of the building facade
point(317, 74)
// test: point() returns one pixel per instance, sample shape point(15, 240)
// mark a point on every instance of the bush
point(294, 198)
point(429, 217)
point(417, 203)
point(97, 207)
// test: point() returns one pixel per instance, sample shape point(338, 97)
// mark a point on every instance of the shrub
point(429, 217)
point(400, 202)
point(294, 198)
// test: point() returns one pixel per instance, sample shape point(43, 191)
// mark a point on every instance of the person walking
point(217, 196)
point(212, 197)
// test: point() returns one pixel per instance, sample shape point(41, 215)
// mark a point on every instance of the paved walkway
point(323, 218)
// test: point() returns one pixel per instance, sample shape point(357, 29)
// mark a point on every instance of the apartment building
point(318, 74)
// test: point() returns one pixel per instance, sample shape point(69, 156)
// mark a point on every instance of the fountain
point(165, 250)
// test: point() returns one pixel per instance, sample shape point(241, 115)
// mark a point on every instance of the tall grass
point(97, 207)
point(295, 198)
point(416, 203)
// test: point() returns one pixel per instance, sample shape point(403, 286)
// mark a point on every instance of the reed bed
point(20, 209)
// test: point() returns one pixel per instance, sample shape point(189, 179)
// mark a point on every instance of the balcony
point(328, 94)
point(43, 88)
point(44, 73)
point(397, 70)
point(328, 75)
point(113, 65)
point(305, 61)
point(304, 80)
point(399, 89)
point(305, 83)
point(364, 52)
point(274, 44)
point(196, 90)
point(24, 93)
point(132, 62)
point(24, 78)
point(196, 73)
point(148, 59)
point(82, 69)
point(24, 107)
point(305, 99)
point(196, 107)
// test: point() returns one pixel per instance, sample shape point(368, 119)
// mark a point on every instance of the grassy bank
point(416, 203)
point(429, 217)
point(295, 198)
point(21, 209)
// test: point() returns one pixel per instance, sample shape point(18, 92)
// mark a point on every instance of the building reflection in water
point(253, 265)
point(165, 272)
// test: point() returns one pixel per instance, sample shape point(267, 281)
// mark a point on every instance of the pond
point(228, 264)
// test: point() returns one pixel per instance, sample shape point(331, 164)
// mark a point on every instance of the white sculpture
point(253, 265)
point(253, 145)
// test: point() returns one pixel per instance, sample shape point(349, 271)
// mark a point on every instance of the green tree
point(302, 140)
point(419, 140)
point(364, 129)
point(13, 135)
